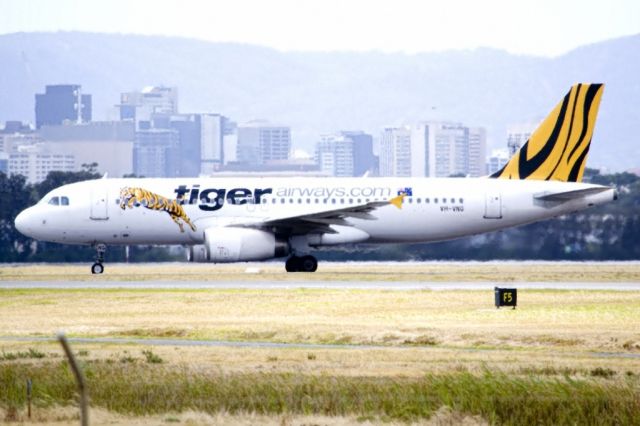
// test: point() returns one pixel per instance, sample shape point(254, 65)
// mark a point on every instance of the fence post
point(29, 398)
point(84, 402)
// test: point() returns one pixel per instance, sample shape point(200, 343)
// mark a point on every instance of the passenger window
point(64, 201)
point(419, 200)
point(435, 201)
point(453, 201)
point(461, 201)
point(55, 201)
point(426, 200)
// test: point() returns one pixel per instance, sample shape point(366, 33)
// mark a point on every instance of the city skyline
point(153, 138)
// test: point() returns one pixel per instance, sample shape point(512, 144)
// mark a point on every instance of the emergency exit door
point(99, 204)
point(493, 205)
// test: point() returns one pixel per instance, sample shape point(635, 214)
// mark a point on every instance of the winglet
point(397, 201)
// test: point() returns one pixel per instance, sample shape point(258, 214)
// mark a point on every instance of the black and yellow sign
point(506, 297)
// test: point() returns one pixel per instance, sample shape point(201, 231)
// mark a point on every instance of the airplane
point(253, 219)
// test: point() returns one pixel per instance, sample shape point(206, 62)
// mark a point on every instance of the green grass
point(30, 353)
point(145, 389)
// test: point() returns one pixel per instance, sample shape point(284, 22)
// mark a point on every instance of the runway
point(270, 345)
point(332, 285)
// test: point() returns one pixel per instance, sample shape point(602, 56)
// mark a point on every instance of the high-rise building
point(477, 151)
point(4, 163)
point(395, 152)
point(36, 161)
point(187, 127)
point(363, 158)
point(60, 103)
point(140, 107)
point(449, 145)
point(212, 153)
point(108, 143)
point(260, 142)
point(518, 135)
point(497, 160)
point(156, 153)
point(433, 149)
point(335, 155)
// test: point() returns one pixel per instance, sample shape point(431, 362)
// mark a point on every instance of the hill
point(321, 92)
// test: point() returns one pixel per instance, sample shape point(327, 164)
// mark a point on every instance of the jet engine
point(237, 244)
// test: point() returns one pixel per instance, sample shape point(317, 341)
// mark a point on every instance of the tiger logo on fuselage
point(133, 197)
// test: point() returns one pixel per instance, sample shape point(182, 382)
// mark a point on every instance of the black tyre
point(292, 264)
point(308, 264)
point(97, 268)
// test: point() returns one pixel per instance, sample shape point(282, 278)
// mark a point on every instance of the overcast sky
point(538, 27)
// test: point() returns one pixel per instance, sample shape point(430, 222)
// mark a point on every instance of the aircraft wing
point(320, 221)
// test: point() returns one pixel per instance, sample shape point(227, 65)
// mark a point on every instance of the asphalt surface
point(337, 285)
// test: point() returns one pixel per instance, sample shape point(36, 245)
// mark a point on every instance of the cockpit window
point(59, 201)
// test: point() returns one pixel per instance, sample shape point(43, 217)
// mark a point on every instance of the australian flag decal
point(406, 192)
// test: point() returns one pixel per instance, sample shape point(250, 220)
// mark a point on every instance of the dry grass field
point(581, 349)
point(342, 271)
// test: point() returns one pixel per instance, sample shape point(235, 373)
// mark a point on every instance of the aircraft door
point(99, 202)
point(493, 205)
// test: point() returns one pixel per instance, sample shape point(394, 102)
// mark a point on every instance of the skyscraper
point(140, 106)
point(212, 131)
point(433, 149)
point(477, 151)
point(62, 102)
point(188, 151)
point(363, 158)
point(156, 153)
point(518, 135)
point(260, 141)
point(395, 152)
point(335, 155)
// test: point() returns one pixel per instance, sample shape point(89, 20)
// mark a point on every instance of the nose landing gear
point(97, 267)
point(306, 263)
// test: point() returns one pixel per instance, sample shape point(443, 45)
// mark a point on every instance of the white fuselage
point(436, 208)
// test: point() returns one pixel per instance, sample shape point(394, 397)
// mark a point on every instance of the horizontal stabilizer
point(569, 195)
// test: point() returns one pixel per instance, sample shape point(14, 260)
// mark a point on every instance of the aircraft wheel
point(308, 264)
point(97, 268)
point(292, 264)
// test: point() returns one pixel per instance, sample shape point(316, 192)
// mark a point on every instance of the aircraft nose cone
point(22, 222)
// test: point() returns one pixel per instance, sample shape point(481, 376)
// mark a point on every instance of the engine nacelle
point(197, 253)
point(237, 244)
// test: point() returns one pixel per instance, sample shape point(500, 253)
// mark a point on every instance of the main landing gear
point(306, 263)
point(97, 267)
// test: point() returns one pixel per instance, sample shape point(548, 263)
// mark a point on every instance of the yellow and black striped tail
point(558, 148)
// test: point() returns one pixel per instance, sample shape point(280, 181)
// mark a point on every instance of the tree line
point(608, 232)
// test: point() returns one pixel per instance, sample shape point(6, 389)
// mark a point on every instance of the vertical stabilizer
point(558, 148)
